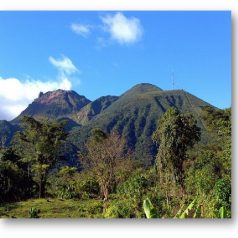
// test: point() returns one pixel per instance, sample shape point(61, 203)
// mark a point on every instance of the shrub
point(123, 208)
point(203, 174)
point(34, 212)
point(68, 184)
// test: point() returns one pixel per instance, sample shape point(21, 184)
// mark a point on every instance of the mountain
point(94, 108)
point(54, 105)
point(135, 116)
point(7, 131)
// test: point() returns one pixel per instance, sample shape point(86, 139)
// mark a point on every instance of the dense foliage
point(187, 179)
point(175, 134)
point(135, 116)
point(38, 145)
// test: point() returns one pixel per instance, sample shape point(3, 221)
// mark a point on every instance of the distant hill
point(92, 109)
point(134, 115)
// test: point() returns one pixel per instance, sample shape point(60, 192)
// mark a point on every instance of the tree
point(15, 184)
point(38, 144)
point(102, 156)
point(219, 197)
point(219, 124)
point(175, 134)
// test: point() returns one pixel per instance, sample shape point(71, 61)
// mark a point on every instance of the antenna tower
point(172, 78)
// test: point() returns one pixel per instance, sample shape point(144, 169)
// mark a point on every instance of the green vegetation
point(15, 182)
point(34, 212)
point(7, 131)
point(51, 208)
point(135, 116)
point(38, 145)
point(137, 157)
point(175, 134)
point(94, 108)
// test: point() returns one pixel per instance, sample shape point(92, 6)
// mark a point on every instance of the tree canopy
point(175, 134)
point(38, 145)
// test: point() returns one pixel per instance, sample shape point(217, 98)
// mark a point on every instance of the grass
point(54, 208)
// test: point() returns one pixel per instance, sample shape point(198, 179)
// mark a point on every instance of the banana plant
point(151, 212)
point(223, 212)
point(193, 210)
point(34, 212)
point(181, 214)
point(149, 209)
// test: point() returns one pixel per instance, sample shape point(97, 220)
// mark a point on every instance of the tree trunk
point(42, 184)
point(104, 191)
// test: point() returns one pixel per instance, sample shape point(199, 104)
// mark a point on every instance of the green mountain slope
point(135, 115)
point(7, 130)
point(92, 109)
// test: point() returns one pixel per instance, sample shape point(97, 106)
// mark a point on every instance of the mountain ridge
point(54, 105)
point(134, 114)
point(92, 109)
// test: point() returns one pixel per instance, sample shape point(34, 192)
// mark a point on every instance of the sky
point(100, 53)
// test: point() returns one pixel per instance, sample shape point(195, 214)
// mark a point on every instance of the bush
point(120, 208)
point(62, 183)
point(222, 191)
point(203, 174)
point(67, 183)
point(90, 208)
point(222, 194)
point(87, 186)
point(139, 186)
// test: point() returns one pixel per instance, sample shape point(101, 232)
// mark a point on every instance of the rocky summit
point(54, 105)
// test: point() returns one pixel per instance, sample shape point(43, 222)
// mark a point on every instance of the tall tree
point(102, 156)
point(38, 144)
point(175, 134)
point(15, 183)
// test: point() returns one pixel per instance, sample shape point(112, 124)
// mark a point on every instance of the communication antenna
point(172, 79)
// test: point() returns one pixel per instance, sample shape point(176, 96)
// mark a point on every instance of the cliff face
point(54, 105)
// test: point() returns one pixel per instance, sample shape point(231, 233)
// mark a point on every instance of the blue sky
point(105, 53)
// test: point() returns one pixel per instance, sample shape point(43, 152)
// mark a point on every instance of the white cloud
point(124, 30)
point(15, 95)
point(64, 65)
point(80, 29)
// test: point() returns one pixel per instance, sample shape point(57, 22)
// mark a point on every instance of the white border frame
point(131, 228)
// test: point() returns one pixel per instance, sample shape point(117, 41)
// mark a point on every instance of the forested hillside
point(148, 153)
